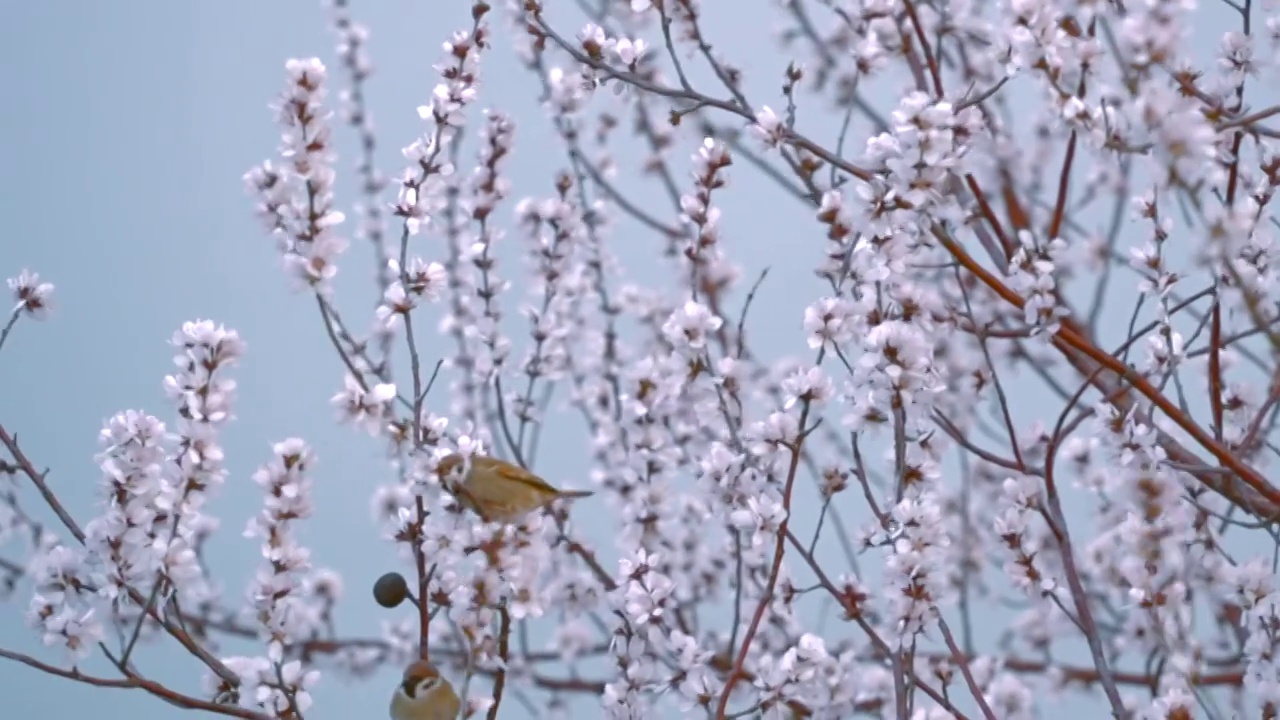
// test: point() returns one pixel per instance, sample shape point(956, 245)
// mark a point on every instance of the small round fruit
point(390, 590)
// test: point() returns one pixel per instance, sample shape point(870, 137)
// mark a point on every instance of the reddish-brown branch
point(1089, 676)
point(988, 213)
point(1018, 217)
point(38, 478)
point(779, 550)
point(1215, 368)
point(1064, 185)
point(504, 651)
point(1072, 337)
point(930, 61)
point(1215, 330)
point(424, 584)
point(1068, 162)
point(1070, 340)
point(958, 657)
point(138, 683)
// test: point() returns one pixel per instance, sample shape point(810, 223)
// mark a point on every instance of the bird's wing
point(455, 703)
point(500, 500)
point(518, 474)
point(469, 500)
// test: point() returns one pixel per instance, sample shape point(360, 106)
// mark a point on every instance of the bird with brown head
point(496, 490)
point(424, 694)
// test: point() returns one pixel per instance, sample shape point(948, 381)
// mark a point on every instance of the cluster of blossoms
point(287, 601)
point(982, 417)
point(140, 557)
point(296, 198)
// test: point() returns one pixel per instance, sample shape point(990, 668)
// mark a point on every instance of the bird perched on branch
point(424, 694)
point(497, 490)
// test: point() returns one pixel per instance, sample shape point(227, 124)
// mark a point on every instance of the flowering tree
point(960, 432)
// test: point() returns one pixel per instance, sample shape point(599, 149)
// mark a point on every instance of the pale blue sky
point(126, 128)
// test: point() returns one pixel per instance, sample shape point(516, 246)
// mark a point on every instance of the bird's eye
point(427, 684)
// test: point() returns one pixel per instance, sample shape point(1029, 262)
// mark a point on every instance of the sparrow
point(424, 694)
point(499, 491)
